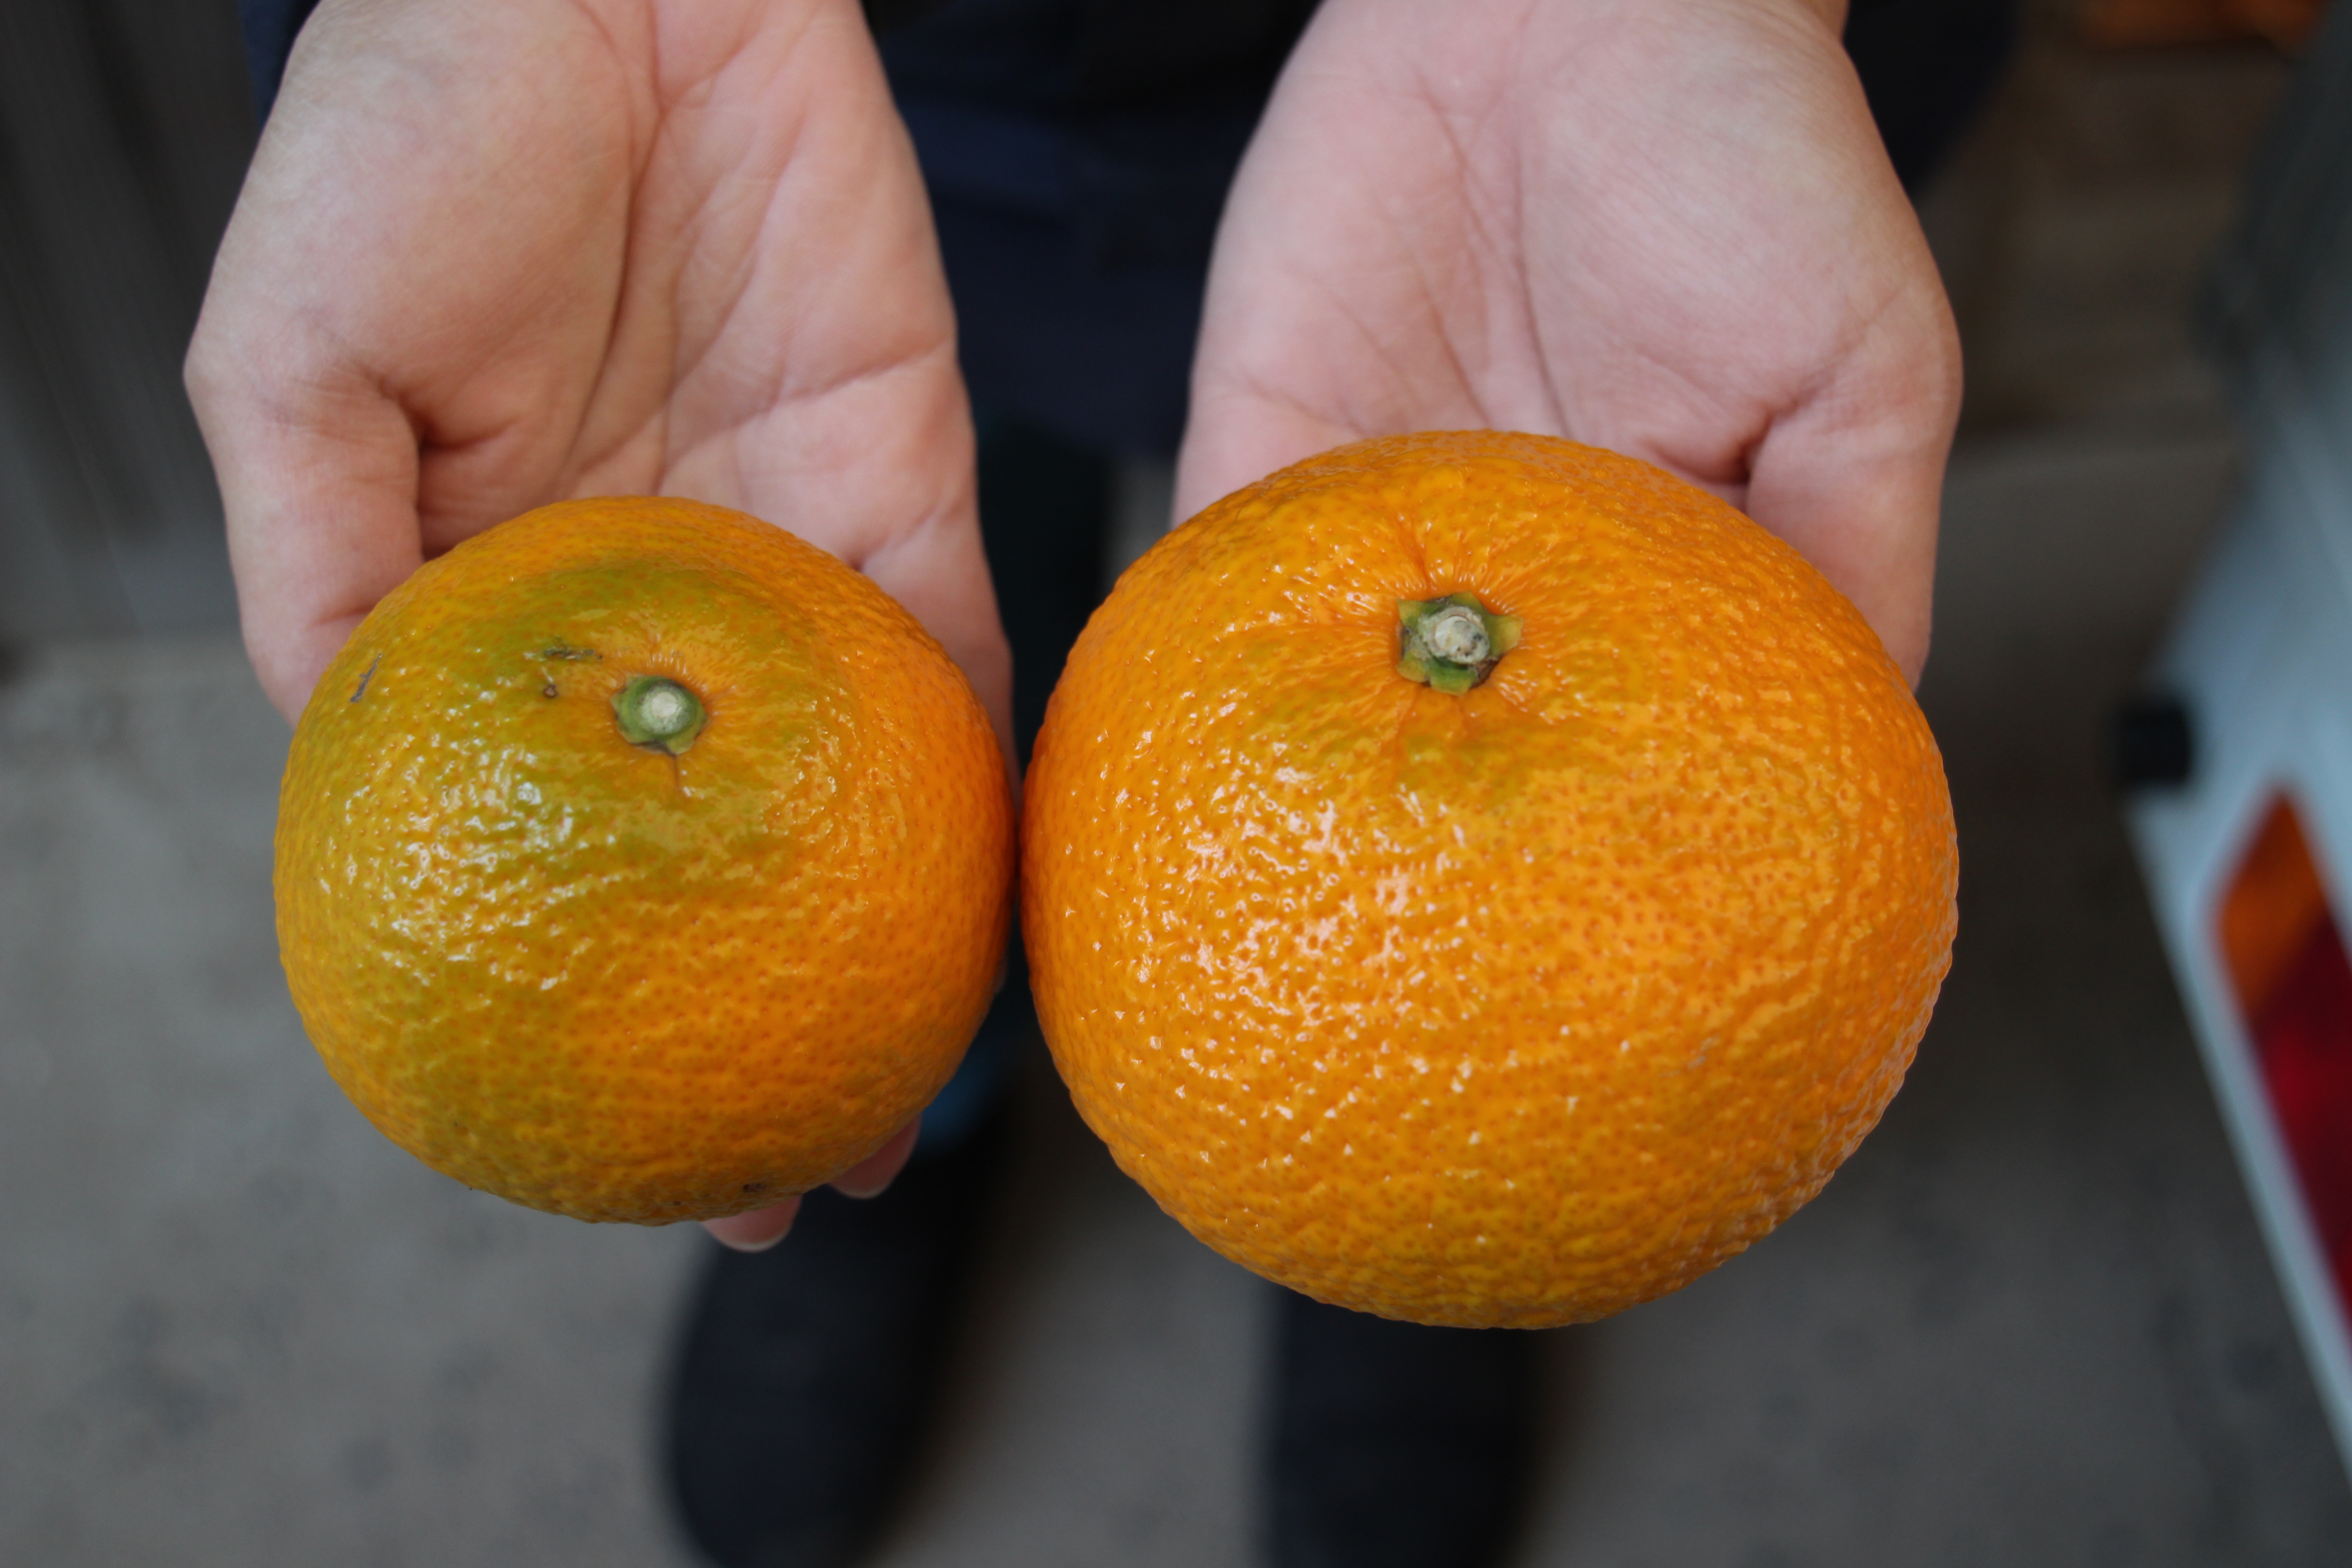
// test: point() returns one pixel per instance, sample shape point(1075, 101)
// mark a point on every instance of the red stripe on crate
point(2287, 962)
point(2304, 1037)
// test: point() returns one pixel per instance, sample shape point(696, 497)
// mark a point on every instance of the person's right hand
point(493, 256)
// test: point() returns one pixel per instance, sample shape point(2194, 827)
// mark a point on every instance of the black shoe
point(808, 1372)
point(1394, 1446)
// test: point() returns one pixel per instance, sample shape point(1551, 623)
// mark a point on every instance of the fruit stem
point(1452, 644)
point(656, 711)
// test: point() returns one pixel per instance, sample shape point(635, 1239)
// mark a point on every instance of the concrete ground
point(2031, 1323)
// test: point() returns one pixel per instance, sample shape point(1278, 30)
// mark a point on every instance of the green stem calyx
point(1452, 644)
point(653, 711)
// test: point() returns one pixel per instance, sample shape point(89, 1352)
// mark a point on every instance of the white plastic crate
point(2260, 660)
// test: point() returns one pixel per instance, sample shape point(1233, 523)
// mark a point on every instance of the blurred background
point(2032, 1322)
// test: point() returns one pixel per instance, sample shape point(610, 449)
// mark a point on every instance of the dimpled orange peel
point(639, 861)
point(1483, 879)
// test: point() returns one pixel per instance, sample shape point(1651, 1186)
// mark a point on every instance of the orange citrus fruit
point(1483, 879)
point(638, 861)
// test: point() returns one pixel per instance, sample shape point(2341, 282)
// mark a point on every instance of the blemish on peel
point(361, 690)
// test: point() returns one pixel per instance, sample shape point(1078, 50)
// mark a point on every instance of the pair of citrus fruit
point(1470, 878)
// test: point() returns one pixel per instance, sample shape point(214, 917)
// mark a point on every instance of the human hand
point(490, 257)
point(1663, 226)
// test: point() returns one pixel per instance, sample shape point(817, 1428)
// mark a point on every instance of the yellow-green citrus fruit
point(638, 861)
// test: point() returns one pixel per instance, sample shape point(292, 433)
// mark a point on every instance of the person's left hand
point(1663, 227)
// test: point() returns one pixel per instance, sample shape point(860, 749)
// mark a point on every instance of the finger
point(1854, 479)
point(872, 1177)
point(320, 509)
point(756, 1231)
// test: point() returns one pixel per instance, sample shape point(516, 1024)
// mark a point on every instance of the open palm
point(493, 256)
point(658, 247)
point(1664, 227)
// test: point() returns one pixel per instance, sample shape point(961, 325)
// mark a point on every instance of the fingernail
point(732, 1245)
point(750, 1232)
